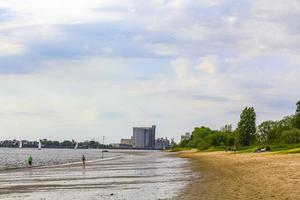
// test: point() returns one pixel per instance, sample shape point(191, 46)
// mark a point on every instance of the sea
point(119, 174)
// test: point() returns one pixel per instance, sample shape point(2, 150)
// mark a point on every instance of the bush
point(219, 140)
point(185, 143)
point(199, 134)
point(204, 144)
point(290, 137)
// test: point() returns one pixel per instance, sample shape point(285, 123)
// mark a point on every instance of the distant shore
point(224, 175)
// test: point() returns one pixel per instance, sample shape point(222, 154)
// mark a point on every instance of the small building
point(186, 136)
point(115, 145)
point(162, 143)
point(126, 141)
point(121, 146)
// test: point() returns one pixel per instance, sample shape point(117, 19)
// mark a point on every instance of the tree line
point(276, 134)
point(92, 144)
point(66, 144)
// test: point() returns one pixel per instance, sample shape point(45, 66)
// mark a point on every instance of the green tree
point(290, 136)
point(185, 143)
point(221, 139)
point(296, 120)
point(247, 127)
point(199, 134)
point(67, 144)
point(287, 123)
point(267, 132)
point(298, 107)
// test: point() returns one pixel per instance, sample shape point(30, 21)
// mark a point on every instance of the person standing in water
point(83, 159)
point(30, 160)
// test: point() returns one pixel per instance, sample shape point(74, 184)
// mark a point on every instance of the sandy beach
point(224, 175)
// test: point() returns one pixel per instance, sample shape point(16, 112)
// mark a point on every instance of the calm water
point(132, 175)
point(16, 158)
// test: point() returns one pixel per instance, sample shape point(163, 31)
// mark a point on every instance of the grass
point(211, 149)
point(281, 147)
point(278, 148)
point(295, 150)
point(177, 149)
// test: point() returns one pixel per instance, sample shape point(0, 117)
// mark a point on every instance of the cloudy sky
point(81, 69)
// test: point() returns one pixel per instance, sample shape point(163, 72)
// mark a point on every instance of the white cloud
point(89, 115)
point(232, 19)
point(163, 49)
point(35, 12)
point(208, 65)
point(39, 20)
point(183, 72)
point(195, 32)
point(10, 48)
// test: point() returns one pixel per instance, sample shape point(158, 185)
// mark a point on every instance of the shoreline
point(224, 175)
point(60, 165)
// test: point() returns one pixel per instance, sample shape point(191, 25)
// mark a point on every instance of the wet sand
point(224, 175)
point(134, 176)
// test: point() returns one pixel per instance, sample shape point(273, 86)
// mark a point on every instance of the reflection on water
point(133, 175)
point(83, 170)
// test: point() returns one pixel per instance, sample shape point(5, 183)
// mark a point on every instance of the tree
point(185, 143)
point(296, 120)
point(287, 123)
point(66, 144)
point(267, 132)
point(199, 134)
point(247, 127)
point(290, 136)
point(298, 107)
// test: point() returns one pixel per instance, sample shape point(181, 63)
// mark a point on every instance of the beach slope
point(224, 175)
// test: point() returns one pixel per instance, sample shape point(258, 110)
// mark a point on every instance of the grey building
point(144, 137)
point(186, 136)
point(162, 143)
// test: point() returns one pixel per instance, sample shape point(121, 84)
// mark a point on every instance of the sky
point(84, 69)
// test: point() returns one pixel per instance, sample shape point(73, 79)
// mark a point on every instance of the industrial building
point(144, 137)
point(126, 141)
point(162, 143)
point(186, 136)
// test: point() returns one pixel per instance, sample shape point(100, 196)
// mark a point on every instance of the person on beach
point(83, 159)
point(30, 161)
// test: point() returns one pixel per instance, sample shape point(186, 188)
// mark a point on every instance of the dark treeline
point(71, 144)
point(284, 133)
point(53, 144)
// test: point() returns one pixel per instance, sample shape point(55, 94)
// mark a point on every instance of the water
point(134, 175)
point(17, 158)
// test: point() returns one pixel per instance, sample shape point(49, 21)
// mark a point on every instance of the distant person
point(83, 159)
point(30, 160)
